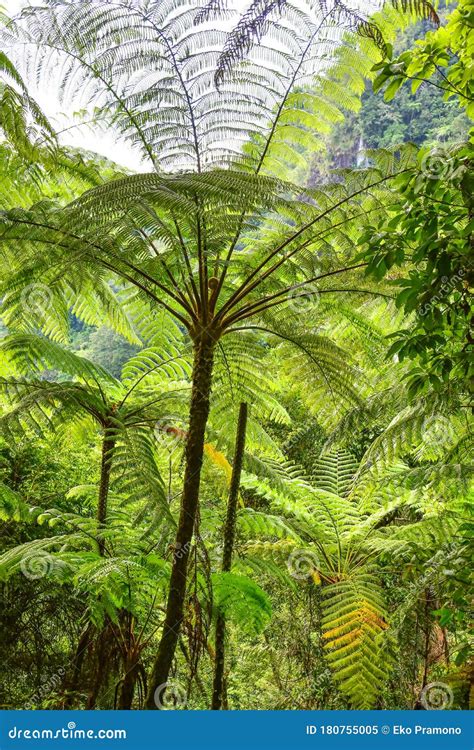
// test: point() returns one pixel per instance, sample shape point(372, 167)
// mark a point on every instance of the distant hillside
point(422, 117)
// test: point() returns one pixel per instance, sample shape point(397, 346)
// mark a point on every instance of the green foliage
point(353, 625)
point(110, 350)
point(241, 601)
point(123, 293)
point(262, 14)
point(438, 287)
point(22, 122)
point(433, 55)
point(335, 473)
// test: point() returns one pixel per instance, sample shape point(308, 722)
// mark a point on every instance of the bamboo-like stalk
point(229, 536)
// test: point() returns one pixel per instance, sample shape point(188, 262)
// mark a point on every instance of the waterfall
point(361, 159)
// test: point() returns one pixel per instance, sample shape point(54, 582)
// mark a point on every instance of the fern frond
point(241, 601)
point(354, 621)
point(29, 353)
point(335, 472)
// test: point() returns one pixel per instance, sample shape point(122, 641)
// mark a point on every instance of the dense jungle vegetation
point(236, 381)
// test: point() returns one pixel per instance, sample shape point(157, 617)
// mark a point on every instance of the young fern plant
point(121, 593)
point(126, 413)
point(333, 541)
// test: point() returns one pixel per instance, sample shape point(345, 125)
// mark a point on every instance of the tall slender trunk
point(108, 445)
point(87, 634)
point(218, 689)
point(427, 624)
point(198, 415)
point(71, 684)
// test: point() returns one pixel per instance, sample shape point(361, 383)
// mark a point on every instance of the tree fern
point(21, 119)
point(213, 247)
point(43, 405)
point(262, 19)
point(340, 545)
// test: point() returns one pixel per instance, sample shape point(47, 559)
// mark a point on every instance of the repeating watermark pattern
point(170, 696)
point(302, 299)
point(447, 285)
point(36, 564)
point(179, 550)
point(36, 299)
point(437, 430)
point(439, 164)
point(49, 685)
point(396, 67)
point(302, 563)
point(168, 435)
point(437, 696)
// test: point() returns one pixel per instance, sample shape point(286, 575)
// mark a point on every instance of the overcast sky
point(101, 142)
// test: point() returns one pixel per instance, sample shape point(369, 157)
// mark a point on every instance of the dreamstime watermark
point(447, 285)
point(70, 732)
point(302, 563)
point(170, 696)
point(179, 550)
point(303, 299)
point(36, 299)
point(437, 696)
point(437, 430)
point(439, 164)
point(48, 686)
point(37, 564)
point(168, 435)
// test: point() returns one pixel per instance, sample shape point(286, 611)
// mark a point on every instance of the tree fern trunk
point(71, 684)
point(198, 415)
point(127, 687)
point(108, 445)
point(229, 536)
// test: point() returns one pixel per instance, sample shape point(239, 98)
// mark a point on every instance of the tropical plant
point(213, 235)
point(126, 413)
point(437, 289)
point(338, 544)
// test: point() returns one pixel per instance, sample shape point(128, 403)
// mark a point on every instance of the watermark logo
point(448, 284)
point(169, 696)
point(437, 431)
point(303, 299)
point(36, 299)
point(35, 565)
point(436, 696)
point(169, 436)
point(439, 164)
point(50, 684)
point(302, 563)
